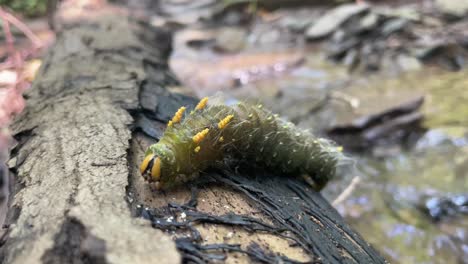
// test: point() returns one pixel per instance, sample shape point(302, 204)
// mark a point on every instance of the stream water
point(399, 206)
point(404, 202)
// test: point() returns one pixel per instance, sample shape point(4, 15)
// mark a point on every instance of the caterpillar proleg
point(214, 133)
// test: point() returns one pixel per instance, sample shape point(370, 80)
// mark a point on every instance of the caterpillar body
point(213, 134)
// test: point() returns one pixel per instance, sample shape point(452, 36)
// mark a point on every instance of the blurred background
point(385, 79)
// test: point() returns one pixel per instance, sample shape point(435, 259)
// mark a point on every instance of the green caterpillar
point(213, 134)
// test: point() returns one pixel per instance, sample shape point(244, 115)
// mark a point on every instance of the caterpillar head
point(153, 168)
point(150, 168)
point(159, 168)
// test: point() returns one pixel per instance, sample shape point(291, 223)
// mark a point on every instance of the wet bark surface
point(71, 163)
point(101, 98)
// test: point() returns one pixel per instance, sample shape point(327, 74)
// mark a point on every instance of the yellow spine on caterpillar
point(177, 116)
point(197, 149)
point(202, 104)
point(223, 123)
point(200, 135)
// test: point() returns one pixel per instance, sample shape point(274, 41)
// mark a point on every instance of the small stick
point(21, 26)
point(347, 192)
point(10, 40)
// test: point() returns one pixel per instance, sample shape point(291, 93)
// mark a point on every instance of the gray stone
point(457, 8)
point(369, 21)
point(393, 25)
point(408, 63)
point(333, 19)
point(408, 13)
point(296, 23)
point(231, 39)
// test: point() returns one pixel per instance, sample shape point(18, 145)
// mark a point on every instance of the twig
point(23, 56)
point(347, 192)
point(16, 58)
point(21, 26)
point(10, 40)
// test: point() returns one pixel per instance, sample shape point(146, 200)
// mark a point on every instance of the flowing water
point(406, 201)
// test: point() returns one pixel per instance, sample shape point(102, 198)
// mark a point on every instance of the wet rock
point(369, 21)
point(393, 25)
point(188, 12)
point(439, 208)
point(296, 24)
point(351, 59)
point(333, 19)
point(370, 56)
point(446, 54)
point(371, 35)
point(438, 137)
point(426, 52)
point(408, 13)
point(389, 126)
point(339, 50)
point(455, 8)
point(298, 20)
point(366, 39)
point(230, 40)
point(408, 63)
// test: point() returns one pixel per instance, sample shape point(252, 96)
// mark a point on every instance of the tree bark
point(78, 191)
point(71, 162)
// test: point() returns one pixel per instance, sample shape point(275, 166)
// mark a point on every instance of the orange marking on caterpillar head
point(156, 170)
point(200, 135)
point(202, 104)
point(223, 123)
point(177, 116)
point(197, 149)
point(144, 164)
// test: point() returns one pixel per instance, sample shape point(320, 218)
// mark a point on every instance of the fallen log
point(71, 158)
point(101, 95)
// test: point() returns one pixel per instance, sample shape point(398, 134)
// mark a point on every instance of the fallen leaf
point(30, 69)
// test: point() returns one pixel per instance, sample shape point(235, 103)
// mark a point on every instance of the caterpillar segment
point(216, 133)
